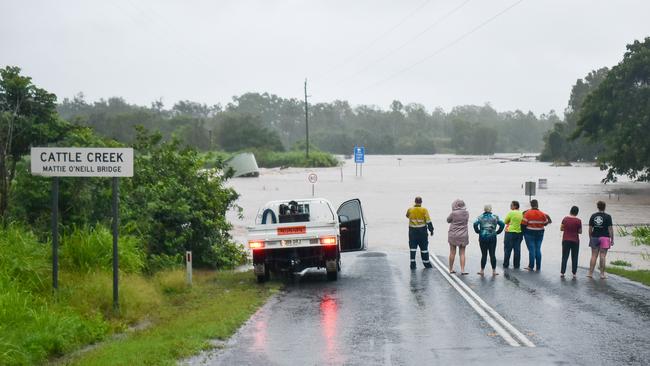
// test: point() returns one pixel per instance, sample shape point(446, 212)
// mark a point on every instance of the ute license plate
point(290, 242)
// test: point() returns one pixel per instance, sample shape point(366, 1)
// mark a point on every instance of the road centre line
point(491, 321)
point(520, 336)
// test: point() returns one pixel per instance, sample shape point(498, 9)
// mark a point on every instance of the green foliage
point(245, 131)
point(32, 328)
point(642, 276)
point(558, 144)
point(81, 200)
point(270, 159)
point(617, 114)
point(173, 203)
point(27, 118)
point(641, 235)
point(90, 249)
point(228, 255)
point(472, 138)
point(265, 121)
point(214, 308)
point(622, 263)
point(23, 259)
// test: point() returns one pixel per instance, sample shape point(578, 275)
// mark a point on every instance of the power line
point(443, 48)
point(375, 40)
point(406, 43)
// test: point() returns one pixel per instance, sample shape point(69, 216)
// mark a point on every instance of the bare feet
point(528, 268)
point(495, 274)
point(480, 274)
point(603, 277)
point(590, 275)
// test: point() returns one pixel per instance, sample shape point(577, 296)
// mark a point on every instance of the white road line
point(493, 323)
point(520, 336)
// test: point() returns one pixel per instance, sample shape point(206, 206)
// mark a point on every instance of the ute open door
point(352, 226)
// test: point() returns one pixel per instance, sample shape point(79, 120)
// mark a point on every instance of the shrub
point(89, 249)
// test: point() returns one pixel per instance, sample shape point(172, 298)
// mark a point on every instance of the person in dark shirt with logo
point(601, 238)
point(572, 228)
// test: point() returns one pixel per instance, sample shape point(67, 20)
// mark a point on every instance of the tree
point(558, 144)
point(242, 131)
point(617, 114)
point(27, 118)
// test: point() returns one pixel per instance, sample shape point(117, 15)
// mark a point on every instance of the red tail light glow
point(256, 244)
point(328, 240)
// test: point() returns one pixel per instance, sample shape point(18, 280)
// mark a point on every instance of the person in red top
point(534, 222)
point(572, 228)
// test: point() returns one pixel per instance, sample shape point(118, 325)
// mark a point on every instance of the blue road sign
point(359, 154)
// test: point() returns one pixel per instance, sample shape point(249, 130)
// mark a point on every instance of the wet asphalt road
point(382, 313)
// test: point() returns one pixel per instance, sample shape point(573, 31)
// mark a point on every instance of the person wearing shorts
point(601, 238)
point(571, 228)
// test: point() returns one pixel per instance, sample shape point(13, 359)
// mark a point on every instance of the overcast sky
point(513, 54)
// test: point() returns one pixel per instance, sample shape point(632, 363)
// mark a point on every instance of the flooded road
point(388, 186)
point(380, 312)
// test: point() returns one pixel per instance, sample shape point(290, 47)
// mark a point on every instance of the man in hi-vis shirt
point(419, 222)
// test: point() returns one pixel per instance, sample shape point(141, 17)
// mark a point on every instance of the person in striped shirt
point(534, 222)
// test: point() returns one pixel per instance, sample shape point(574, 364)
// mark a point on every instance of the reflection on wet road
point(381, 313)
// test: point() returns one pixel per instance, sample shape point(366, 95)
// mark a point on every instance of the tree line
point(267, 121)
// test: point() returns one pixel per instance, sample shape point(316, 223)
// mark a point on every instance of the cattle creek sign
point(82, 162)
point(59, 162)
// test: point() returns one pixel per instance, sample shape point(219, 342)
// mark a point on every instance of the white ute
point(292, 235)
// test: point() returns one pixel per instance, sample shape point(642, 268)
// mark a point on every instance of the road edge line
point(479, 310)
point(515, 332)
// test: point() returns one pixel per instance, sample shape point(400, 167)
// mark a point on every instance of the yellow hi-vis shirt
point(418, 216)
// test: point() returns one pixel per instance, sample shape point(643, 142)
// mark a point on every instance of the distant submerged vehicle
point(243, 165)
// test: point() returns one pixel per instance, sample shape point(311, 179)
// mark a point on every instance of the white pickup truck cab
point(292, 235)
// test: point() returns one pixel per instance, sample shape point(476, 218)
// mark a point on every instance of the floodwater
point(390, 183)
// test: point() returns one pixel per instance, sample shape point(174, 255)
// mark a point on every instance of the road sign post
point(312, 178)
point(55, 234)
point(83, 162)
point(359, 159)
point(530, 190)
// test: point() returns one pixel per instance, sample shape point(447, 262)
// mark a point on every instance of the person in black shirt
point(601, 238)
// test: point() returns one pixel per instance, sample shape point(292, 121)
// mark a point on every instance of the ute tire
point(332, 276)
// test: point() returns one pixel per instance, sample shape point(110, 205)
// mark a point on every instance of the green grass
point(622, 263)
point(642, 276)
point(217, 304)
point(36, 326)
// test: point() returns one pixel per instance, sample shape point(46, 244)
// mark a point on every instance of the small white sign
point(82, 162)
point(313, 178)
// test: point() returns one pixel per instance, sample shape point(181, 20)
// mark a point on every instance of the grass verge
point(185, 320)
point(642, 276)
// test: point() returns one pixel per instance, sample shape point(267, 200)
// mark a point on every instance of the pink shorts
point(602, 242)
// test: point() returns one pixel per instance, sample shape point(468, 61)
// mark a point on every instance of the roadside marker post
point(312, 178)
point(188, 265)
point(59, 162)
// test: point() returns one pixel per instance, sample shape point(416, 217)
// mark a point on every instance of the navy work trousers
point(418, 238)
point(512, 243)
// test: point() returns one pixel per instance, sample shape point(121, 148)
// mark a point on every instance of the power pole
point(306, 121)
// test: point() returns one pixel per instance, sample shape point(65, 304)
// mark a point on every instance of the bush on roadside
point(90, 249)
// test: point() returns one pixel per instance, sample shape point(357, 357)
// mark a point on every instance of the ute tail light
point(256, 244)
point(328, 240)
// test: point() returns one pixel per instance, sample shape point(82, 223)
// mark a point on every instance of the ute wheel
point(332, 276)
